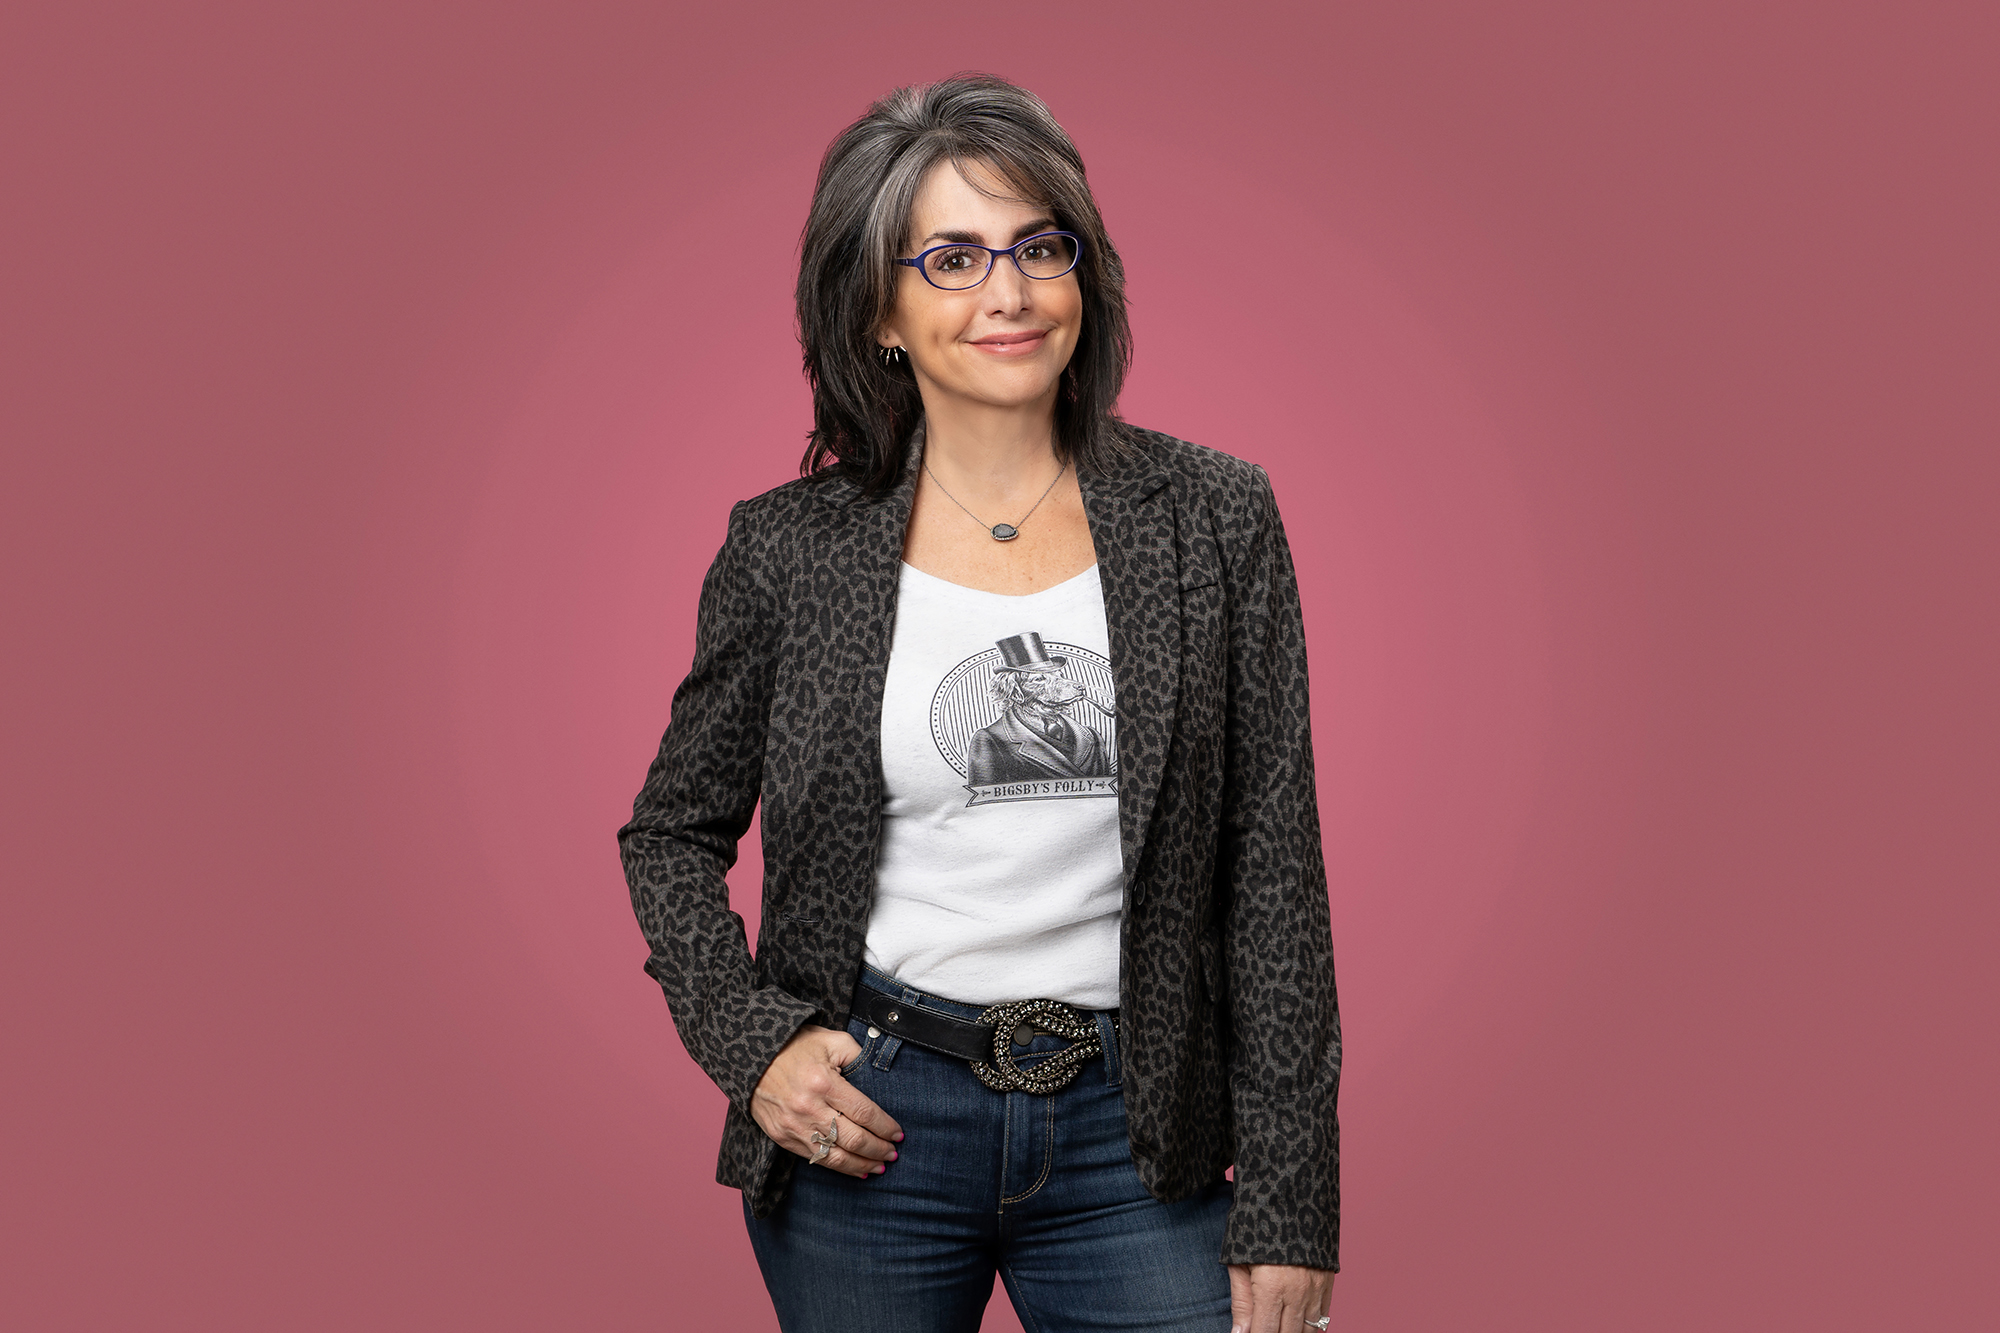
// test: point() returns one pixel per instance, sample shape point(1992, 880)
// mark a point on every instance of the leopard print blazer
point(1226, 989)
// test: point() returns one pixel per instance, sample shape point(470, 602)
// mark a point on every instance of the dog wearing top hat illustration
point(1035, 738)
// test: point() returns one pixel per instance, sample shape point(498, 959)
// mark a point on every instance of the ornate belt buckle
point(1056, 1069)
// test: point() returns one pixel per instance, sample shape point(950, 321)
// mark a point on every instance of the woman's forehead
point(970, 196)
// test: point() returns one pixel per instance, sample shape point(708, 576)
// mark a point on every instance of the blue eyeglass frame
point(993, 257)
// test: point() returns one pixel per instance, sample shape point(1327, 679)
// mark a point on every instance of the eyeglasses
point(957, 266)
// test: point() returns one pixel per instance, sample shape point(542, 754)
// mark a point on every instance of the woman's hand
point(1277, 1298)
point(801, 1094)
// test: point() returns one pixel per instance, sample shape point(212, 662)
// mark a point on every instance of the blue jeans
point(1041, 1189)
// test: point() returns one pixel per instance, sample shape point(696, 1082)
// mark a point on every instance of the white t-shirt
point(1000, 876)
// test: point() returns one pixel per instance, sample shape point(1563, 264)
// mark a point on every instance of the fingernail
point(893, 1154)
point(899, 1136)
point(879, 1169)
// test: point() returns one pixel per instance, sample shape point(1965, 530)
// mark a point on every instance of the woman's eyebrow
point(1021, 233)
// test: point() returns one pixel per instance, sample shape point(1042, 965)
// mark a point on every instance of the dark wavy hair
point(864, 412)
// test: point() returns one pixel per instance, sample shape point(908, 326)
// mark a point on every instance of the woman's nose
point(1006, 287)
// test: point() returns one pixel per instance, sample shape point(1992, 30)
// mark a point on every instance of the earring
point(891, 355)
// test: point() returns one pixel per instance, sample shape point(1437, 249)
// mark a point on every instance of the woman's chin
point(1010, 392)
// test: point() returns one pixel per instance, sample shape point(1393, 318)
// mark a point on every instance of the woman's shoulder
point(1229, 485)
point(784, 505)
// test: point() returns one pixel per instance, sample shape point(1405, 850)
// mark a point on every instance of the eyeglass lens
point(955, 266)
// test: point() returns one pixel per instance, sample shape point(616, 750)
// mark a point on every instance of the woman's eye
point(951, 261)
point(1039, 250)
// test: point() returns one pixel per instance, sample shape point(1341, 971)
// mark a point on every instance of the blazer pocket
point(784, 949)
point(1201, 613)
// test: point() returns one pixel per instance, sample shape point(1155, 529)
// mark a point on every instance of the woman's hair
point(865, 411)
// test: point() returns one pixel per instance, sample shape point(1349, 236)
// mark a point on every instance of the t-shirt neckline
point(1087, 572)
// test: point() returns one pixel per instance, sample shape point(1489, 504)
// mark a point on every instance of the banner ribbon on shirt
point(1041, 789)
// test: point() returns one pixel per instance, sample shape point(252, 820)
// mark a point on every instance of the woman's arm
point(695, 806)
point(1277, 946)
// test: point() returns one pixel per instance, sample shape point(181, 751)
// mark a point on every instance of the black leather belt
point(926, 1027)
point(990, 1042)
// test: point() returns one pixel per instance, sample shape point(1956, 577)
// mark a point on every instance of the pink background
point(376, 382)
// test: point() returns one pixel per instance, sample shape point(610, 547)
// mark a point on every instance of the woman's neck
point(990, 452)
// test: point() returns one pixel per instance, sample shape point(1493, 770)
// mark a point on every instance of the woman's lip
point(1012, 342)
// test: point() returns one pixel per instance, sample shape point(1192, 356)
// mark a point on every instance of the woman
point(1022, 690)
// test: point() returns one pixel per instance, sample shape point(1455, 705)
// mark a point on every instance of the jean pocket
point(859, 1031)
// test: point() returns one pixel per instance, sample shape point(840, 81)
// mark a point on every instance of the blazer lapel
point(884, 521)
point(1131, 513)
point(862, 565)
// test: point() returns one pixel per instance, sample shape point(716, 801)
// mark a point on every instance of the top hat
point(1024, 652)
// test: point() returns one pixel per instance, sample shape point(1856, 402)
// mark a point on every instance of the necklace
point(1002, 532)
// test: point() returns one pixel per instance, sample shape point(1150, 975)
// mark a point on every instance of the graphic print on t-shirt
point(1022, 723)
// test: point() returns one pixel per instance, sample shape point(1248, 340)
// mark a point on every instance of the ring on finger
point(827, 1142)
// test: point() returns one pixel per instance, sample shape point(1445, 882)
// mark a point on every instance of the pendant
point(1005, 532)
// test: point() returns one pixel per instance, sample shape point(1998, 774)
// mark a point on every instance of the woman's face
point(1003, 343)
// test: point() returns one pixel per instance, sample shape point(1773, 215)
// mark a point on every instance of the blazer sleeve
point(1284, 1071)
point(694, 808)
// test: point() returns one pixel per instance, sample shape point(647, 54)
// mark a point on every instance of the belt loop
point(886, 1055)
point(1114, 1074)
